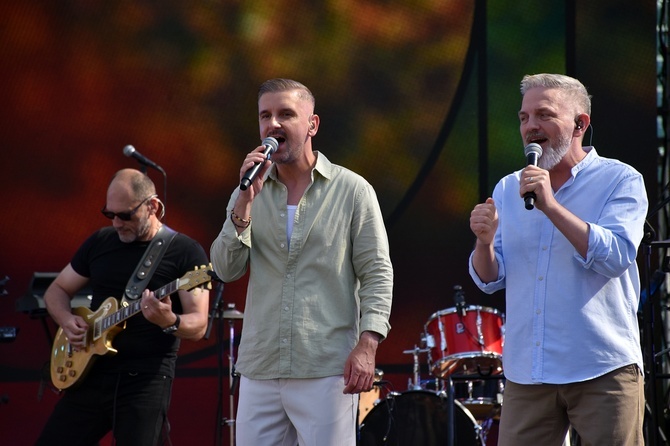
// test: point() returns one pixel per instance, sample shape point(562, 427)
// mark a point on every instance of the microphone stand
point(143, 169)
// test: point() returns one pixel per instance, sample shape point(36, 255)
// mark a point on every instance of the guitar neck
point(135, 306)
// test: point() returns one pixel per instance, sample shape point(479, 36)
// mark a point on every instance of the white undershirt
point(289, 222)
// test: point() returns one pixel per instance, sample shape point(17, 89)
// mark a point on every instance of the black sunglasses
point(125, 216)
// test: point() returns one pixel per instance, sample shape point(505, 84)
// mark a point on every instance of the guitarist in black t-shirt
point(119, 357)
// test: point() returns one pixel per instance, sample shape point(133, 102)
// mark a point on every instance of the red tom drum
point(467, 341)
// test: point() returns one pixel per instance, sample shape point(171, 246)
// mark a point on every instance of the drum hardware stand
point(415, 382)
point(451, 399)
point(450, 412)
point(231, 314)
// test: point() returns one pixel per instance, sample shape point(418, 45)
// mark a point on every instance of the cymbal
point(233, 314)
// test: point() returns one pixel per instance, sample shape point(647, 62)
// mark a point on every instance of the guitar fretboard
point(135, 306)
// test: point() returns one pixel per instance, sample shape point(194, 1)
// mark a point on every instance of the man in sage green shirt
point(320, 282)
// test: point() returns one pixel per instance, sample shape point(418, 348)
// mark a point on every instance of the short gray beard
point(142, 230)
point(552, 156)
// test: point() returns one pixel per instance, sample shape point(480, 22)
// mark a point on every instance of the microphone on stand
point(459, 300)
point(130, 152)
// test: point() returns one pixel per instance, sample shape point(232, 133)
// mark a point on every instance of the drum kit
point(460, 405)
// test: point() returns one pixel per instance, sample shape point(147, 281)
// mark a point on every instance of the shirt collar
point(323, 166)
point(591, 156)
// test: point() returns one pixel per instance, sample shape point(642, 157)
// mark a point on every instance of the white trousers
point(290, 412)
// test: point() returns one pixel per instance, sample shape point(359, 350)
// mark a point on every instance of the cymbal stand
point(218, 313)
point(233, 376)
point(415, 382)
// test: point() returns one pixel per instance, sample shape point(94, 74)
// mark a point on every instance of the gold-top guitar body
point(70, 366)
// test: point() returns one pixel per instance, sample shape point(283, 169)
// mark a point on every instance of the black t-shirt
point(109, 263)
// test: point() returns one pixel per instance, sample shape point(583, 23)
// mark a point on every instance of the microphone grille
point(272, 142)
point(128, 150)
point(533, 148)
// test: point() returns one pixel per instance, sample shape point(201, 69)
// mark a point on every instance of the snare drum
point(418, 417)
point(469, 343)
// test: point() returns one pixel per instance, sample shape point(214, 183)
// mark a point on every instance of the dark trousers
point(133, 406)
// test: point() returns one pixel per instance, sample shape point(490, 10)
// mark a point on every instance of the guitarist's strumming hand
point(75, 329)
point(157, 311)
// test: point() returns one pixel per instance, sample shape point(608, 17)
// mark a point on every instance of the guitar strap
point(149, 262)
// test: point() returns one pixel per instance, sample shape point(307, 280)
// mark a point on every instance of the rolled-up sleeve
point(229, 252)
point(614, 238)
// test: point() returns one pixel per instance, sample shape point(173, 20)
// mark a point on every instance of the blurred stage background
point(420, 97)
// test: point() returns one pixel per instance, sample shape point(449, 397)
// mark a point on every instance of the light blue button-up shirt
point(308, 300)
point(570, 319)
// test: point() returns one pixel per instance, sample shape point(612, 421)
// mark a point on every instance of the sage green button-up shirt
point(308, 301)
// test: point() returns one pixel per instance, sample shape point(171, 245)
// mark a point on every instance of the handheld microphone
point(130, 151)
point(533, 153)
point(271, 146)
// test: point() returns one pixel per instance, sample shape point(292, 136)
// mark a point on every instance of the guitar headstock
point(199, 277)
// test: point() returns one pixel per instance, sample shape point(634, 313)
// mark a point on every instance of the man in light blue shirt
point(572, 352)
point(320, 282)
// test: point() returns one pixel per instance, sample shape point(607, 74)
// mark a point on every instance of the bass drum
point(417, 417)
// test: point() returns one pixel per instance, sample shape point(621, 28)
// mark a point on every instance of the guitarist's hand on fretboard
point(157, 311)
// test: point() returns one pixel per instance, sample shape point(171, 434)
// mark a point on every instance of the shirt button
point(544, 248)
point(284, 340)
point(286, 308)
point(538, 311)
point(282, 214)
point(540, 278)
point(281, 245)
point(537, 343)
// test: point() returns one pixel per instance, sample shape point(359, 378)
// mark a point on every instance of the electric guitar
point(69, 367)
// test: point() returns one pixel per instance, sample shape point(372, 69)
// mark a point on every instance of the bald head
point(132, 183)
point(133, 193)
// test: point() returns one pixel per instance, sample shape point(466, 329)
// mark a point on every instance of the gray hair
point(571, 87)
point(279, 85)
